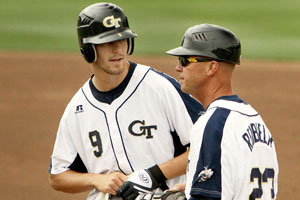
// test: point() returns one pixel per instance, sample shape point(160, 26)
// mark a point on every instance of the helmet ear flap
point(130, 49)
point(89, 52)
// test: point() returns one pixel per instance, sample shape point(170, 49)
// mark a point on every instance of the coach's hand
point(141, 181)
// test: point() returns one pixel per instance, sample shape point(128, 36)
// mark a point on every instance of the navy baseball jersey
point(232, 154)
point(144, 121)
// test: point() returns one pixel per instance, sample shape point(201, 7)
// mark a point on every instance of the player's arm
point(74, 182)
point(175, 167)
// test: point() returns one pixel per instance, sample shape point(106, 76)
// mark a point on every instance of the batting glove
point(143, 181)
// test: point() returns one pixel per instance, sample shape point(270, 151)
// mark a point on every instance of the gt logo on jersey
point(137, 128)
point(110, 21)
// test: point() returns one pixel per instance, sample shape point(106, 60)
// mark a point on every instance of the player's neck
point(105, 81)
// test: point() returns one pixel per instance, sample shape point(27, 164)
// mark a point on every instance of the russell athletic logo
point(79, 109)
point(111, 21)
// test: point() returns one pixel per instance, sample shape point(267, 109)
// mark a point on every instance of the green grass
point(268, 29)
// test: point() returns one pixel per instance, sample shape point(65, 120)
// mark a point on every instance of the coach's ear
point(212, 68)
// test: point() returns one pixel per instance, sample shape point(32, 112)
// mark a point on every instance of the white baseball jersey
point(147, 124)
point(232, 154)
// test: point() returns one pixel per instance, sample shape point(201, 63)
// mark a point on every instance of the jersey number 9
point(96, 143)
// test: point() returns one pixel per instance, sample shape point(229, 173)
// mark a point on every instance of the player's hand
point(109, 183)
point(140, 181)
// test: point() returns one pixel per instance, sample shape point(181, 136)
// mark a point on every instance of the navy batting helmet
point(102, 23)
point(210, 41)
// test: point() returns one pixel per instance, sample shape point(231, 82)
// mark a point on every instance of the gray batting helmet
point(102, 23)
point(210, 41)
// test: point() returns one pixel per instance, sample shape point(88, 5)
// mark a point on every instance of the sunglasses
point(184, 61)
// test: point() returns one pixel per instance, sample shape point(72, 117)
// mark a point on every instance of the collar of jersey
point(110, 96)
point(234, 98)
point(233, 103)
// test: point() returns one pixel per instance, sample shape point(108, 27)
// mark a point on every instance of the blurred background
point(268, 29)
point(41, 69)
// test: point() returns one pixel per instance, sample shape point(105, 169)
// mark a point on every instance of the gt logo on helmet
point(110, 21)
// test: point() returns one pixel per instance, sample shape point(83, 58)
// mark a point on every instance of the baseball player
point(127, 119)
point(232, 152)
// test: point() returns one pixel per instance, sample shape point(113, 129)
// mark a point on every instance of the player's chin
point(121, 63)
